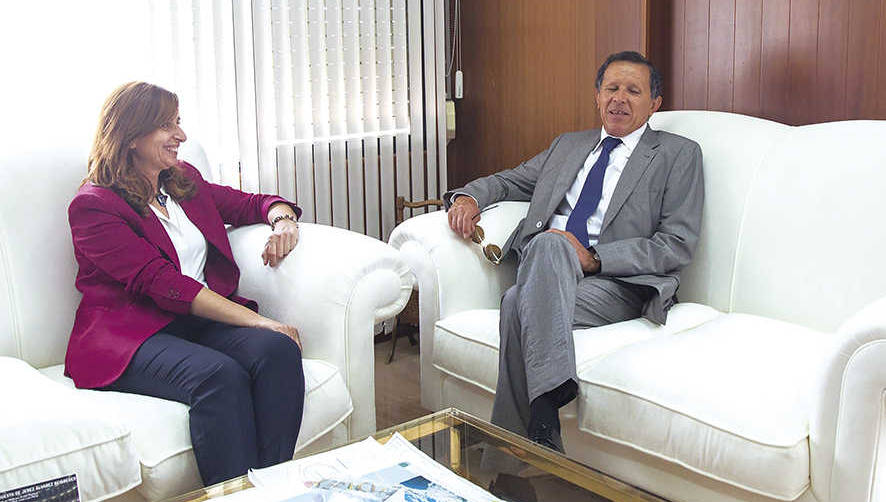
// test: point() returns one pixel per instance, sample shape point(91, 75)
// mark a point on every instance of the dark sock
point(545, 408)
point(565, 392)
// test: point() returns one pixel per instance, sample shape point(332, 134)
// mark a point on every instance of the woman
point(159, 315)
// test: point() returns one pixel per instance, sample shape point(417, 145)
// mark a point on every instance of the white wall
point(59, 59)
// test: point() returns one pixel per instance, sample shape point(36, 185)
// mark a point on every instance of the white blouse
point(189, 242)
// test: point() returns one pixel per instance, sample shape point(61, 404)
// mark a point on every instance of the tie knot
point(610, 142)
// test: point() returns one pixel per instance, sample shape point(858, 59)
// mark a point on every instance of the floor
point(398, 399)
point(397, 385)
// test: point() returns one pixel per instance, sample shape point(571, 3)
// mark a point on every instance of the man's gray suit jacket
point(652, 224)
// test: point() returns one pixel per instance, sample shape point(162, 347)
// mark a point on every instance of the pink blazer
point(130, 275)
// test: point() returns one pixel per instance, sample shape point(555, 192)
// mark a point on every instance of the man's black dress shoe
point(547, 436)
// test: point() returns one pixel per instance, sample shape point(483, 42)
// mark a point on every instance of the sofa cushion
point(730, 168)
point(162, 438)
point(466, 347)
point(466, 343)
point(47, 431)
point(809, 196)
point(327, 401)
point(39, 299)
point(729, 399)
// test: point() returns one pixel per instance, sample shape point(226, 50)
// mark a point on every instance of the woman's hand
point(286, 329)
point(280, 243)
point(211, 305)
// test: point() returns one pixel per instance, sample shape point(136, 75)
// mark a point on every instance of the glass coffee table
point(510, 466)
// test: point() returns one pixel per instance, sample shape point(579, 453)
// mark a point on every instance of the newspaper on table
point(366, 472)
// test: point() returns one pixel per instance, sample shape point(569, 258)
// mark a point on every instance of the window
point(325, 102)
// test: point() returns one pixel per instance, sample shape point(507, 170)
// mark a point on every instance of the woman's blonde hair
point(130, 112)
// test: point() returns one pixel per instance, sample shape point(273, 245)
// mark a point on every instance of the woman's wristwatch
point(280, 217)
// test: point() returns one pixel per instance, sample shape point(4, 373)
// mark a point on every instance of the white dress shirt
point(618, 158)
point(189, 243)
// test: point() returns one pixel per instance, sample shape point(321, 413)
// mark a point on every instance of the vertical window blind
point(335, 104)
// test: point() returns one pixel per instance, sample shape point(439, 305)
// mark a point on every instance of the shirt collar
point(169, 199)
point(171, 204)
point(630, 141)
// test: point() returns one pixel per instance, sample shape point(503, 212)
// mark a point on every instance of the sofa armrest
point(848, 429)
point(453, 275)
point(334, 287)
point(456, 267)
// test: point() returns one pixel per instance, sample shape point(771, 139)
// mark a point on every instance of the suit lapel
point(637, 164)
point(571, 167)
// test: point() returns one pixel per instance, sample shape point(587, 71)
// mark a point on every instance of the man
point(614, 215)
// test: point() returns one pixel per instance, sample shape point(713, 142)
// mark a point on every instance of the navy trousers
point(245, 387)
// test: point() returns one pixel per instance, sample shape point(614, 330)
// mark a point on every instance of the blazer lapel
point(155, 233)
point(201, 220)
point(571, 167)
point(637, 164)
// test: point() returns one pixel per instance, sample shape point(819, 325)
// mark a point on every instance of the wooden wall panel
point(748, 57)
point(529, 69)
point(794, 61)
point(529, 66)
point(774, 74)
point(802, 59)
point(675, 44)
point(720, 69)
point(861, 65)
point(881, 62)
point(695, 54)
point(830, 77)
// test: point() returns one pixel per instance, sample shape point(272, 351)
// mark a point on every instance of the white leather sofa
point(333, 287)
point(768, 381)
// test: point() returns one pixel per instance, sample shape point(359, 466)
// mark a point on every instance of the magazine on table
point(366, 471)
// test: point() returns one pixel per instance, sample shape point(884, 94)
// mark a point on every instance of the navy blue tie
point(577, 224)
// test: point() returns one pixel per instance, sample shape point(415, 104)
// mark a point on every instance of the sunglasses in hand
point(491, 251)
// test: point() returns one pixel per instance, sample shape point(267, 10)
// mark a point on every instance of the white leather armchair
point(334, 287)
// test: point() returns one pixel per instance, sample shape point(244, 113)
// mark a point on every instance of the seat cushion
point(48, 431)
point(327, 401)
point(160, 436)
point(466, 343)
point(162, 439)
point(729, 399)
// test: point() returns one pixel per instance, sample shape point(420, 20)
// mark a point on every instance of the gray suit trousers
point(550, 298)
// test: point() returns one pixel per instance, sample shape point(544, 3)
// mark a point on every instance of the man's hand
point(585, 258)
point(280, 243)
point(463, 216)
